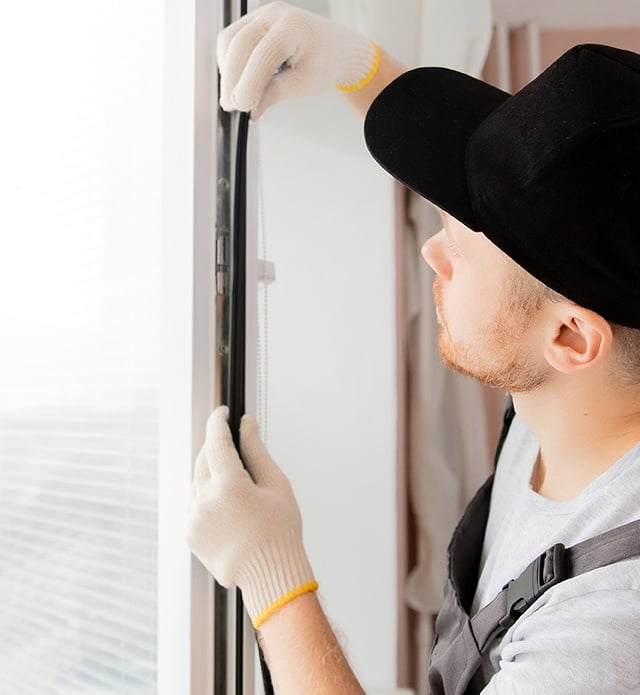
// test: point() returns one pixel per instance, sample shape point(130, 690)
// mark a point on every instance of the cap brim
point(418, 128)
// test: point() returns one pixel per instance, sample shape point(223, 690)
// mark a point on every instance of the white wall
point(568, 13)
point(331, 425)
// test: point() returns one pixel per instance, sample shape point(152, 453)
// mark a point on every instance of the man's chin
point(449, 353)
point(515, 377)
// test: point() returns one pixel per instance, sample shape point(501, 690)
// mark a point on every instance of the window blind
point(78, 550)
point(79, 309)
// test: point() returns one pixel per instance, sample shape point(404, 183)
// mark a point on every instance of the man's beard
point(496, 357)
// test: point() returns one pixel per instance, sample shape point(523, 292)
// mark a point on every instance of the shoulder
point(582, 636)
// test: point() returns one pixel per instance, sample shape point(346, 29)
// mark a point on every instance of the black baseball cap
point(551, 175)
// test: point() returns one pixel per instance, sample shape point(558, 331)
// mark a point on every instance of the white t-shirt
point(583, 635)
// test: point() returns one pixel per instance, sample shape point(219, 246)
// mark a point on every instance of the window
point(80, 381)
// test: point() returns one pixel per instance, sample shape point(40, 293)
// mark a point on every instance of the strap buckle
point(544, 572)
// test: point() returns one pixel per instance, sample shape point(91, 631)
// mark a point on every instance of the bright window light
point(80, 230)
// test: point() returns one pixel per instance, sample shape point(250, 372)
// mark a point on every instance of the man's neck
point(582, 432)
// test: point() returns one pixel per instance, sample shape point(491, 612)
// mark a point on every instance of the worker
point(537, 289)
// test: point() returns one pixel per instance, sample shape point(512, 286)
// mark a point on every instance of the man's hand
point(245, 527)
point(278, 51)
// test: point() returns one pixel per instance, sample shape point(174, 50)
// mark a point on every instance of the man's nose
point(435, 253)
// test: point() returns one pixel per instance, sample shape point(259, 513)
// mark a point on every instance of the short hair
point(626, 343)
point(529, 294)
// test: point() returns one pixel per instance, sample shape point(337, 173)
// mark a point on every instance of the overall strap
point(554, 565)
point(507, 417)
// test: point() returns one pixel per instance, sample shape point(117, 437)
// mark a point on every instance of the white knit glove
point(279, 51)
point(248, 533)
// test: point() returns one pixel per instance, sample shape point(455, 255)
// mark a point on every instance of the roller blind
point(80, 174)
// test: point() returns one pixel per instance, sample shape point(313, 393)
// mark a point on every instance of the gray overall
point(463, 640)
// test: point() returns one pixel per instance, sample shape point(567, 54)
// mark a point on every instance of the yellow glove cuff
point(368, 77)
point(306, 588)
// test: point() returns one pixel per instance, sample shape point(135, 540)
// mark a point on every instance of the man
point(537, 293)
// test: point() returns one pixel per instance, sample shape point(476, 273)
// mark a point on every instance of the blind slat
point(20, 479)
point(40, 540)
point(96, 636)
point(84, 677)
point(122, 512)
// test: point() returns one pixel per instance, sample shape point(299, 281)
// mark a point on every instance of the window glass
point(79, 309)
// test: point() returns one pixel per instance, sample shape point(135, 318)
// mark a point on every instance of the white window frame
point(185, 588)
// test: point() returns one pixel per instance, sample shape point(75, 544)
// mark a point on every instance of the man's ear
point(579, 338)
